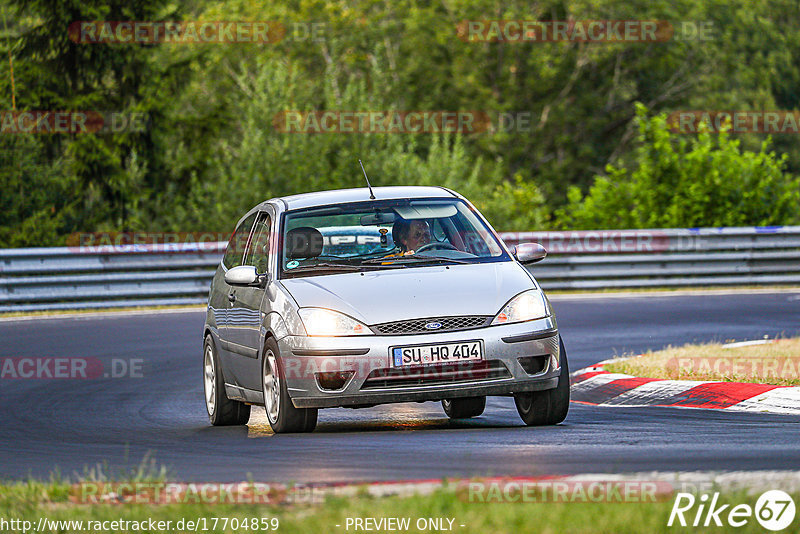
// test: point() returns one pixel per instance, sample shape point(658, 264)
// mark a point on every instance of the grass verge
point(775, 363)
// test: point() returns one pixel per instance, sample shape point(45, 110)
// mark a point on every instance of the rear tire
point(282, 415)
point(221, 410)
point(547, 407)
point(464, 408)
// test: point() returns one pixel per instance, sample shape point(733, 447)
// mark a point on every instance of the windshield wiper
point(326, 266)
point(323, 266)
point(399, 260)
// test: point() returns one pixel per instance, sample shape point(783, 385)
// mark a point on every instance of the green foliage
point(32, 205)
point(677, 181)
point(210, 150)
point(254, 162)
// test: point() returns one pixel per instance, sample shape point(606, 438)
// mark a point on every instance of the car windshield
point(385, 235)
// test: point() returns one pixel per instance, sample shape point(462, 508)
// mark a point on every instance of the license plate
point(440, 353)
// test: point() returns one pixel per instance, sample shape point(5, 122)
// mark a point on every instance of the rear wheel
point(221, 410)
point(283, 416)
point(547, 407)
point(464, 407)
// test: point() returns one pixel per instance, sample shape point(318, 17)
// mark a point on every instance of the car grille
point(417, 326)
point(431, 375)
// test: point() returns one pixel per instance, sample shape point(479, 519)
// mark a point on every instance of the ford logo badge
point(433, 326)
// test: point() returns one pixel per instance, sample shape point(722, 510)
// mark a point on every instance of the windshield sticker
point(292, 264)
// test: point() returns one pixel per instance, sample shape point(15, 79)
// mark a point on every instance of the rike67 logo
point(774, 510)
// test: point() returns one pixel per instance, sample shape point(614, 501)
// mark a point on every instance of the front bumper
point(361, 358)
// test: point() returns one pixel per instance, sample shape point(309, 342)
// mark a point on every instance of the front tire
point(282, 415)
point(221, 410)
point(547, 407)
point(464, 408)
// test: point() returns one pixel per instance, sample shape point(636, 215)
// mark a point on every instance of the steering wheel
point(435, 245)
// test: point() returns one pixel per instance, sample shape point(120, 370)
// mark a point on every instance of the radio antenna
point(371, 194)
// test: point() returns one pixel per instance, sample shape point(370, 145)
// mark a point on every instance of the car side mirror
point(246, 275)
point(529, 252)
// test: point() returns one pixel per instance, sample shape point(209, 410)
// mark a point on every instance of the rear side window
point(234, 253)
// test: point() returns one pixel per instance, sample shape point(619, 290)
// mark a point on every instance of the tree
point(674, 180)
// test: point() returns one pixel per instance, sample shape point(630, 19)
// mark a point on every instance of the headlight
point(526, 306)
point(322, 322)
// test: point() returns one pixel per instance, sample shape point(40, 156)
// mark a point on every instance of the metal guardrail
point(34, 279)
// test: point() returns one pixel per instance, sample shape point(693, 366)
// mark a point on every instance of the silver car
point(360, 297)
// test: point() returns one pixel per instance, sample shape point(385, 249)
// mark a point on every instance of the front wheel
point(464, 408)
point(547, 407)
point(283, 416)
point(221, 410)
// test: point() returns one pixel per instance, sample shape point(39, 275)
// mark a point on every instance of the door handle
point(232, 297)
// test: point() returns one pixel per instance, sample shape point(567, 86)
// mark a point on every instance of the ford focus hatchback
point(356, 298)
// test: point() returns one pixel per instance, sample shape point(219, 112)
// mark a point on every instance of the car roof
point(338, 196)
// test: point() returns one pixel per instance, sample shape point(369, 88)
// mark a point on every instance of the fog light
point(333, 381)
point(533, 365)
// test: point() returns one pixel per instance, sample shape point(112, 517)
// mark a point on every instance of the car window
point(234, 252)
point(258, 249)
point(384, 234)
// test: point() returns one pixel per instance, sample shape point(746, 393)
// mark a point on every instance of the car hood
point(397, 294)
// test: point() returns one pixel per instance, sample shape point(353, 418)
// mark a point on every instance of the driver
point(411, 235)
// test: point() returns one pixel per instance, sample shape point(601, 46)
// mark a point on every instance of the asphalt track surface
point(74, 425)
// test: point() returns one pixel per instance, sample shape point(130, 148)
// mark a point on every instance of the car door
point(234, 255)
point(244, 311)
